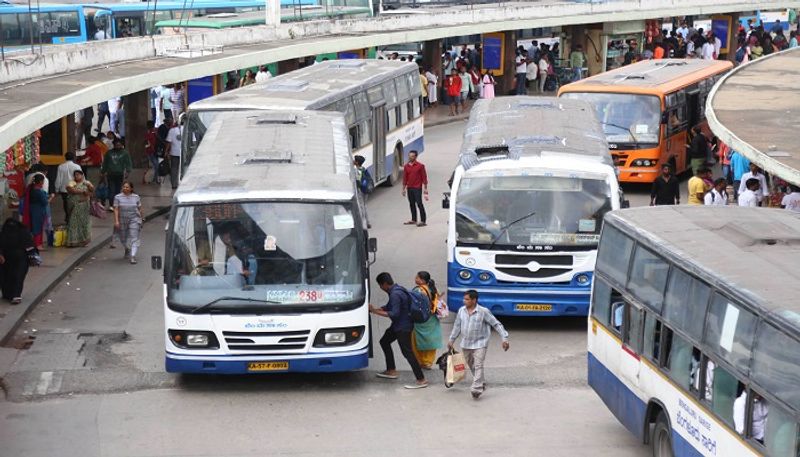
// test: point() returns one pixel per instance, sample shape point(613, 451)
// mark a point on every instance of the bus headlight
point(484, 276)
point(582, 279)
point(196, 339)
point(342, 336)
point(465, 275)
point(645, 162)
point(193, 339)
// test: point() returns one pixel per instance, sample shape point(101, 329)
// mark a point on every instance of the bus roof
point(175, 5)
point(311, 87)
point(749, 253)
point(650, 76)
point(257, 155)
point(517, 127)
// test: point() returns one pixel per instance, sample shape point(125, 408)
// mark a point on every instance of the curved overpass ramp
point(756, 110)
point(40, 89)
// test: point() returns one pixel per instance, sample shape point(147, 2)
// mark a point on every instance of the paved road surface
point(91, 383)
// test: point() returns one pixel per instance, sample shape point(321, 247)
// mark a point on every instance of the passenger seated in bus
point(226, 262)
point(760, 413)
point(709, 393)
point(617, 312)
point(203, 265)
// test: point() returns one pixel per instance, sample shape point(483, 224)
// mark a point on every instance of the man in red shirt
point(415, 181)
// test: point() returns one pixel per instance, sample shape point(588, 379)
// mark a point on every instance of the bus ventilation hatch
point(491, 152)
point(274, 119)
point(267, 156)
point(291, 85)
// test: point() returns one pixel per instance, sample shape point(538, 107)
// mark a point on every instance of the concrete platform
point(756, 110)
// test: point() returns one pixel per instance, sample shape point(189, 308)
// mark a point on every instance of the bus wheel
point(394, 178)
point(662, 437)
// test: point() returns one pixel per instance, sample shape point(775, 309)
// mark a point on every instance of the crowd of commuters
point(741, 182)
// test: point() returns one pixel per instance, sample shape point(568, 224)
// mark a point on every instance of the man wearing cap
point(665, 188)
point(116, 167)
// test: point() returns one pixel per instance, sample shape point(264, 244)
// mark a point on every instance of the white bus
point(528, 196)
point(267, 253)
point(381, 101)
point(694, 334)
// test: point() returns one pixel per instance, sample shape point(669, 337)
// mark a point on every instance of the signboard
point(721, 25)
point(493, 52)
point(201, 88)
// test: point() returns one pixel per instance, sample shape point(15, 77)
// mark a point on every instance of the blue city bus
point(526, 206)
point(48, 24)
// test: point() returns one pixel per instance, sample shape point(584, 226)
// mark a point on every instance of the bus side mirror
point(372, 245)
point(155, 262)
point(664, 117)
point(625, 204)
point(446, 200)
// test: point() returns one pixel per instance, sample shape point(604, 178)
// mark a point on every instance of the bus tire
point(662, 437)
point(394, 177)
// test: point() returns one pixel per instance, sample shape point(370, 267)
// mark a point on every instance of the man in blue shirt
point(398, 309)
point(739, 166)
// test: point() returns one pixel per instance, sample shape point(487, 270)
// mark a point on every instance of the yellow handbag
point(60, 236)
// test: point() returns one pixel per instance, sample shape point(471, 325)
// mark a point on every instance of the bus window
point(364, 133)
point(361, 105)
point(730, 331)
point(652, 336)
point(391, 119)
point(415, 108)
point(403, 92)
point(601, 301)
point(724, 390)
point(648, 277)
point(389, 93)
point(614, 254)
point(685, 302)
point(681, 359)
point(12, 28)
point(617, 316)
point(354, 137)
point(775, 363)
point(633, 328)
point(780, 431)
point(404, 112)
point(345, 106)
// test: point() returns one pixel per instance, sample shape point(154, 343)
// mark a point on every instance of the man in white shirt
point(522, 71)
point(749, 197)
point(791, 201)
point(717, 44)
point(717, 195)
point(707, 52)
point(178, 101)
point(755, 173)
point(760, 414)
point(263, 74)
point(64, 175)
point(100, 35)
point(174, 152)
point(683, 31)
point(114, 106)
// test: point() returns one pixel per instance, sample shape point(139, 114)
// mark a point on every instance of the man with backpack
point(364, 182)
point(474, 324)
point(399, 310)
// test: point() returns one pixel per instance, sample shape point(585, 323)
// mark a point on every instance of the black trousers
point(404, 341)
point(414, 201)
point(12, 275)
point(114, 186)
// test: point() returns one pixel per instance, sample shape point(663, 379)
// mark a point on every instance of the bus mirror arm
point(155, 262)
point(372, 247)
point(625, 204)
point(446, 200)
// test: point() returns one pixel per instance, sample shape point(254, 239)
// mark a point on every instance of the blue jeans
point(578, 73)
point(153, 158)
point(522, 86)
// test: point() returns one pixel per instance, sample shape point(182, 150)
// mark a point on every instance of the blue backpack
point(367, 185)
point(419, 307)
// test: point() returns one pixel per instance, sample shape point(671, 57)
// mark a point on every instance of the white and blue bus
point(266, 265)
point(528, 196)
point(381, 101)
point(694, 334)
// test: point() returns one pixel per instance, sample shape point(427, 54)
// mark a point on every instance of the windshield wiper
point(630, 132)
point(247, 299)
point(508, 226)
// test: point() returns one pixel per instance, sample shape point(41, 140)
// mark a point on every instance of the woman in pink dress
point(488, 85)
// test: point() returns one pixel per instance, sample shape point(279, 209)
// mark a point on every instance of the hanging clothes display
point(23, 153)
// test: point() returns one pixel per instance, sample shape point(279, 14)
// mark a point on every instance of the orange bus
point(647, 110)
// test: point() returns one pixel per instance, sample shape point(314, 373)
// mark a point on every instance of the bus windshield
point(277, 252)
point(626, 118)
point(535, 210)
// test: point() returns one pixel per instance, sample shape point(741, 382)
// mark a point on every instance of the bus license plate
point(534, 307)
point(268, 366)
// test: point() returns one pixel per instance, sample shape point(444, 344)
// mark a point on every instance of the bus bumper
point(229, 364)
point(640, 175)
point(538, 303)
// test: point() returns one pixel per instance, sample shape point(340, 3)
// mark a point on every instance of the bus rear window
point(614, 254)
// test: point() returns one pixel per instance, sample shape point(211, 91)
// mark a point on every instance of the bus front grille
point(527, 273)
point(524, 259)
point(266, 341)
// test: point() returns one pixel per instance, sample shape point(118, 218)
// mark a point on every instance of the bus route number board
point(534, 307)
point(267, 366)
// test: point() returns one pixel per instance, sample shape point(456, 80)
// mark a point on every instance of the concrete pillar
point(594, 50)
point(285, 66)
point(576, 35)
point(137, 112)
point(733, 43)
point(71, 137)
point(505, 85)
point(432, 56)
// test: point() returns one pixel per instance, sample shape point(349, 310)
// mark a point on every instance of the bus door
point(379, 141)
point(693, 101)
point(631, 329)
